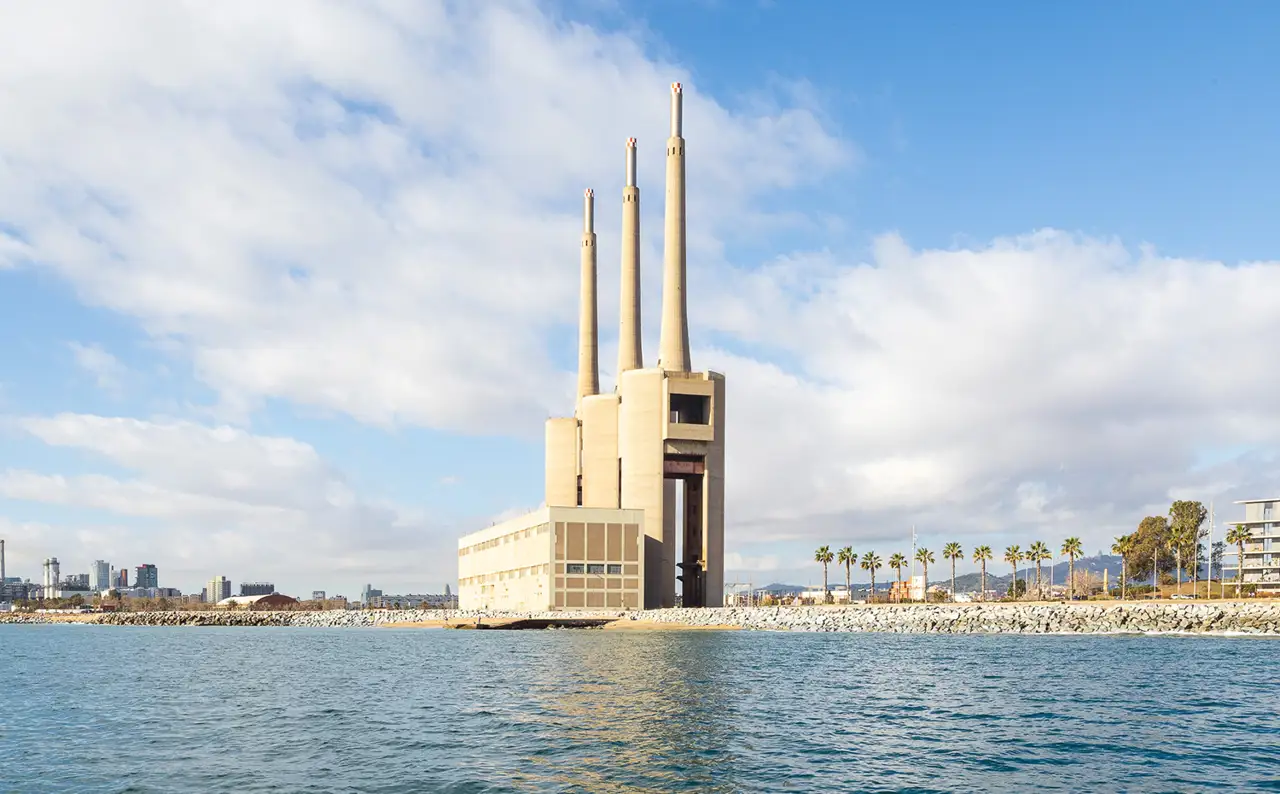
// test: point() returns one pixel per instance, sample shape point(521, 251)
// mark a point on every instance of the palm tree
point(847, 558)
point(980, 556)
point(898, 562)
point(924, 557)
point(1123, 546)
point(1038, 553)
point(1238, 535)
point(1072, 548)
point(953, 552)
point(824, 556)
point(1013, 555)
point(871, 562)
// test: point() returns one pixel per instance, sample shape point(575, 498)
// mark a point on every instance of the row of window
point(592, 567)
point(510, 537)
point(503, 576)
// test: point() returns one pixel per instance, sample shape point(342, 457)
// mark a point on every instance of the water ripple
point(146, 710)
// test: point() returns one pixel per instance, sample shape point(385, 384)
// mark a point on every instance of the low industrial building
point(555, 558)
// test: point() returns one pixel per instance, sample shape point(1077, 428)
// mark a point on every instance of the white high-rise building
point(218, 588)
point(100, 576)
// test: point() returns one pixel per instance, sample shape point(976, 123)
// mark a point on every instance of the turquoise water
point(122, 709)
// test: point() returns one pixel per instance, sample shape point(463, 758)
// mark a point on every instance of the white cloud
point(106, 369)
point(219, 499)
point(371, 208)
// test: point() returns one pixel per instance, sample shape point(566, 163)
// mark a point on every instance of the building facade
point(257, 588)
point(49, 585)
point(146, 576)
point(1261, 564)
point(555, 558)
point(218, 588)
point(100, 576)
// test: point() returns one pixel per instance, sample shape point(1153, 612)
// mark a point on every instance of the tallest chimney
point(673, 345)
point(588, 343)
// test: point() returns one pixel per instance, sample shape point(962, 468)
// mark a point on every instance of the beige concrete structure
point(653, 449)
point(554, 558)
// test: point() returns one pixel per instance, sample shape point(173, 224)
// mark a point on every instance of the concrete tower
point(630, 355)
point(588, 339)
point(673, 346)
point(2, 579)
point(655, 444)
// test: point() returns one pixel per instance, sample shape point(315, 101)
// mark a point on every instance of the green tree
point(924, 557)
point(953, 552)
point(898, 562)
point(1013, 555)
point(824, 556)
point(1239, 535)
point(982, 555)
point(871, 563)
point(1150, 554)
point(1072, 548)
point(1124, 547)
point(1038, 552)
point(847, 558)
point(1185, 520)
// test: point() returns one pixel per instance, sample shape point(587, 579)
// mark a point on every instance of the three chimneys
point(673, 345)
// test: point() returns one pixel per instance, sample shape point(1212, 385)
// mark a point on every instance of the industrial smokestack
point(630, 355)
point(2, 579)
point(588, 343)
point(673, 345)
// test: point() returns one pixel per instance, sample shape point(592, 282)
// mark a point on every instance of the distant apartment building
point(100, 576)
point(1261, 563)
point(317, 595)
point(146, 576)
point(411, 601)
point(368, 593)
point(218, 588)
point(119, 577)
point(257, 588)
point(76, 582)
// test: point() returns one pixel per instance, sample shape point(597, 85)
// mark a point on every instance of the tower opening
point(689, 473)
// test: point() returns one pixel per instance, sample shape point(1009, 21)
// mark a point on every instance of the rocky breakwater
point(1078, 618)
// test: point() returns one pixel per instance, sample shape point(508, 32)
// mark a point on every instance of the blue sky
point(977, 269)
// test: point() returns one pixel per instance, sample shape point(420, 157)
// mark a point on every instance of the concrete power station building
point(634, 509)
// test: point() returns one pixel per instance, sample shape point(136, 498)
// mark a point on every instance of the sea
point(137, 709)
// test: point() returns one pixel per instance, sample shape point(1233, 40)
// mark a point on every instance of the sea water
point(131, 709)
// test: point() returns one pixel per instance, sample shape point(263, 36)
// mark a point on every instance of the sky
point(288, 289)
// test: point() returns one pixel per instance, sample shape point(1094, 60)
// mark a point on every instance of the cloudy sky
point(287, 289)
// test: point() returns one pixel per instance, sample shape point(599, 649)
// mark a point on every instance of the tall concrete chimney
point(588, 342)
point(673, 345)
point(630, 355)
point(2, 579)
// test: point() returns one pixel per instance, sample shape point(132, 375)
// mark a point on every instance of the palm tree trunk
point(1071, 577)
point(925, 566)
point(872, 594)
point(899, 585)
point(953, 579)
point(848, 579)
point(1240, 570)
point(1124, 571)
point(984, 581)
point(826, 591)
point(1013, 590)
point(1178, 567)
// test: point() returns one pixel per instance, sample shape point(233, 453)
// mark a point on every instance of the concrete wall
point(598, 563)
point(562, 462)
point(600, 476)
point(508, 565)
point(641, 424)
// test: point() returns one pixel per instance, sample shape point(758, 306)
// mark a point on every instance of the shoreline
point(1224, 618)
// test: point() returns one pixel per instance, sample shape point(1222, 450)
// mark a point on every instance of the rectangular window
point(1266, 510)
point(595, 568)
point(690, 409)
point(574, 567)
point(615, 570)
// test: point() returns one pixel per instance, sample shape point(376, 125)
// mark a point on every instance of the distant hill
point(998, 575)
